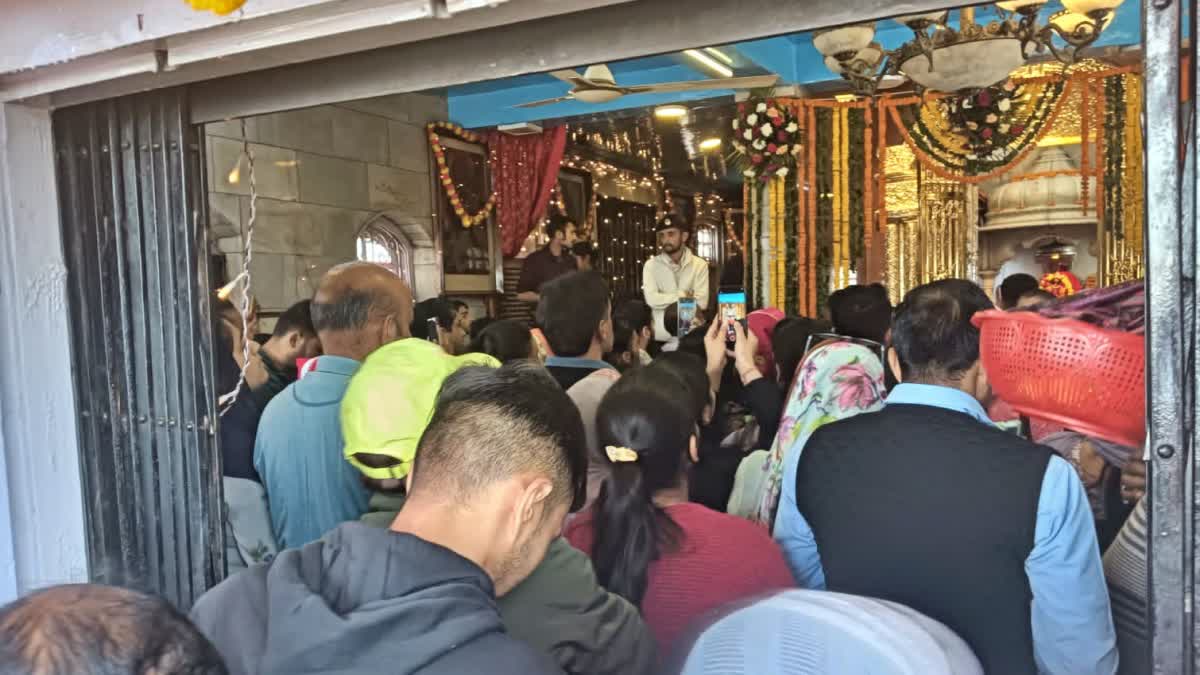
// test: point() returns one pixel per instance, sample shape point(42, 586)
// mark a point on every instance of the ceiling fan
point(597, 85)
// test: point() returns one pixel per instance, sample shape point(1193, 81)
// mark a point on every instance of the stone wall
point(321, 173)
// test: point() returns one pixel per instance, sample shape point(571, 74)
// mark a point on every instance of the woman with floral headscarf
point(836, 380)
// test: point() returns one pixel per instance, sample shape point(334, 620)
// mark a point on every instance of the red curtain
point(524, 172)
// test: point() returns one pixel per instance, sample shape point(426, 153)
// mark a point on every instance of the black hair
point(861, 312)
point(558, 223)
point(433, 308)
point(349, 312)
point(570, 311)
point(583, 249)
point(298, 317)
point(506, 339)
point(228, 370)
point(693, 341)
point(89, 629)
point(491, 423)
point(789, 341)
point(932, 331)
point(1041, 294)
point(688, 370)
point(644, 413)
point(458, 304)
point(671, 319)
point(477, 325)
point(1014, 286)
point(628, 319)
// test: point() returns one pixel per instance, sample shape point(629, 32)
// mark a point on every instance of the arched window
point(381, 241)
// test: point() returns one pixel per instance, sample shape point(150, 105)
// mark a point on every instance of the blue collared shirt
point(576, 362)
point(311, 488)
point(1070, 615)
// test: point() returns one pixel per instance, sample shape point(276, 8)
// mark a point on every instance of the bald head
point(360, 307)
point(101, 630)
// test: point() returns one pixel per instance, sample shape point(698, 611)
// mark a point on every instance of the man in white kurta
point(674, 273)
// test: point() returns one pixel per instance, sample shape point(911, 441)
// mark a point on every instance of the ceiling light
point(721, 56)
point(710, 143)
point(670, 112)
point(713, 64)
point(971, 56)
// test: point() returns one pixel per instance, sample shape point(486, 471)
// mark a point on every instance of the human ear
point(893, 362)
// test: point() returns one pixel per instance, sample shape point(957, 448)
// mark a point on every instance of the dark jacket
point(561, 610)
point(363, 600)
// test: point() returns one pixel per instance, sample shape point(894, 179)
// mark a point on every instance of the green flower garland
point(953, 160)
point(1114, 154)
point(791, 239)
point(824, 220)
point(858, 163)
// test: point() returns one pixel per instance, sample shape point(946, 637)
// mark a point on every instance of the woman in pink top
point(675, 560)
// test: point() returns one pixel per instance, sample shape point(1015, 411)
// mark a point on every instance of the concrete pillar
point(42, 533)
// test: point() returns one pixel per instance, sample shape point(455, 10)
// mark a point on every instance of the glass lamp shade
point(833, 65)
point(1089, 6)
point(1018, 5)
point(918, 21)
point(844, 40)
point(1067, 21)
point(871, 55)
point(966, 66)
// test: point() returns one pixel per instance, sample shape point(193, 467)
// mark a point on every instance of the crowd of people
point(601, 494)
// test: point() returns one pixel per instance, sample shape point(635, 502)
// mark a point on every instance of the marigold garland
point(439, 155)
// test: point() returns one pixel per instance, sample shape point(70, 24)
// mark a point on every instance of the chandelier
point(967, 58)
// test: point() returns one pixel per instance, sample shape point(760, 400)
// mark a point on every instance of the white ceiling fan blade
point(549, 101)
point(752, 82)
point(570, 77)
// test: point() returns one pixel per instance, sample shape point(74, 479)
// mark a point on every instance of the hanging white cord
point(243, 279)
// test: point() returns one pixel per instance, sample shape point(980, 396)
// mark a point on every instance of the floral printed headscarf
point(835, 381)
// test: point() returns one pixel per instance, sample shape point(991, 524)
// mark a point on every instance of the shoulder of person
point(495, 653)
point(233, 616)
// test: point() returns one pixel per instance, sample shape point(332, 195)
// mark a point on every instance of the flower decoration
point(766, 137)
point(221, 7)
point(1060, 284)
point(439, 155)
point(985, 118)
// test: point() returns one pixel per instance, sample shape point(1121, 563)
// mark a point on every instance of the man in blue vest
point(929, 504)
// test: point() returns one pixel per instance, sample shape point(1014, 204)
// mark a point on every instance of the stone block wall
point(321, 173)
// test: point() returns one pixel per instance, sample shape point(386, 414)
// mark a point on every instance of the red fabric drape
point(524, 172)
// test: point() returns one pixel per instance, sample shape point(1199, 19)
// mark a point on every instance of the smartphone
point(432, 332)
point(687, 312)
point(732, 306)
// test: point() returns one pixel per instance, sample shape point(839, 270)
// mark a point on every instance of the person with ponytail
point(673, 559)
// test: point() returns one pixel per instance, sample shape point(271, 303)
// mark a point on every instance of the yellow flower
point(216, 6)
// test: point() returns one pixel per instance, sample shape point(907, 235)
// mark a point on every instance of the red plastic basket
point(1089, 379)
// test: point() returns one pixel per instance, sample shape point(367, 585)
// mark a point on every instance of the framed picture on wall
point(575, 194)
point(470, 255)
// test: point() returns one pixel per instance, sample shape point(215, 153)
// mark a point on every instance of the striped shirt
point(1128, 588)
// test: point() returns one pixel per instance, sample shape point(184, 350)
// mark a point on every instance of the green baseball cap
point(391, 398)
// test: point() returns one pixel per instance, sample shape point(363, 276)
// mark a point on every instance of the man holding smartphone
point(674, 274)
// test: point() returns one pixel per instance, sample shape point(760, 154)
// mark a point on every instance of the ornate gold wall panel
point(941, 242)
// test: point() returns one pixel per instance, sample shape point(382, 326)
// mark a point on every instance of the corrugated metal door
point(130, 186)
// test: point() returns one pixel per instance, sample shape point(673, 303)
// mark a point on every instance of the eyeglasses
point(878, 347)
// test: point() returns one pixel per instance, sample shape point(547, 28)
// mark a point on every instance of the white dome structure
point(1048, 192)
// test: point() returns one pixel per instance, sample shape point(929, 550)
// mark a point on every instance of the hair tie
point(617, 454)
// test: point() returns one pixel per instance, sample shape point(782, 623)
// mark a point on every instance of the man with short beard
point(499, 466)
point(674, 274)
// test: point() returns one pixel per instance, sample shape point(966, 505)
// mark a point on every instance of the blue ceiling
point(792, 57)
